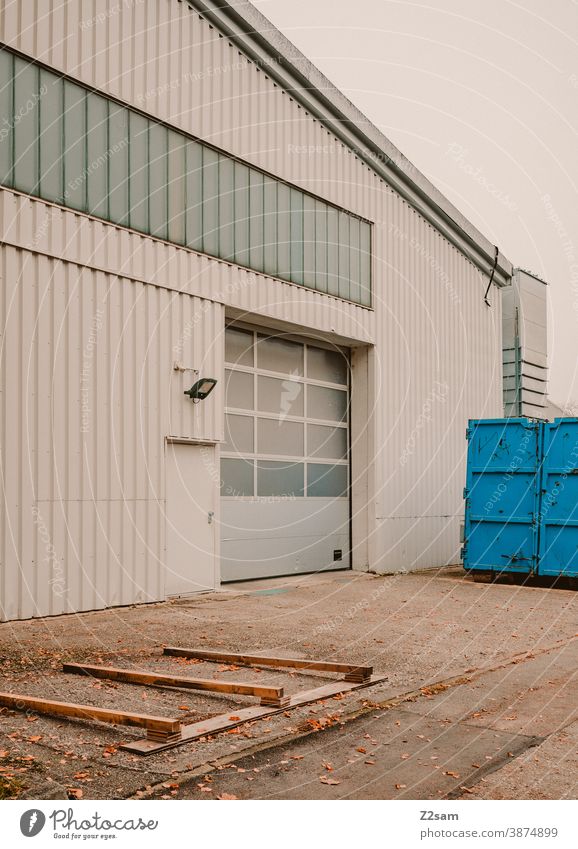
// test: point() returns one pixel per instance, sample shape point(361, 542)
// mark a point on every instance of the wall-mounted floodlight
point(201, 389)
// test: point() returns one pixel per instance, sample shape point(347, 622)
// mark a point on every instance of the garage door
point(284, 465)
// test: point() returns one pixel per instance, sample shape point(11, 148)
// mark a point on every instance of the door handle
point(210, 517)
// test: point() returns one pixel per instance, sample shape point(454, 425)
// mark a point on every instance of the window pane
point(256, 220)
point(239, 436)
point(328, 404)
point(239, 390)
point(283, 231)
point(296, 236)
point(6, 84)
point(158, 176)
point(210, 201)
point(226, 208)
point(25, 126)
point(139, 181)
point(344, 291)
point(365, 263)
point(241, 214)
point(51, 124)
point(280, 437)
point(118, 163)
point(236, 477)
point(176, 145)
point(97, 147)
point(280, 479)
point(321, 246)
point(309, 241)
point(325, 481)
point(278, 354)
point(75, 146)
point(332, 251)
point(327, 442)
point(323, 364)
point(282, 397)
point(270, 231)
point(354, 261)
point(194, 214)
point(238, 346)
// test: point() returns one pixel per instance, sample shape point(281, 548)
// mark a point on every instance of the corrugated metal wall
point(438, 347)
point(438, 354)
point(56, 232)
point(88, 396)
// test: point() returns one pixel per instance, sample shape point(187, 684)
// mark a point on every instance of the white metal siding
point(88, 396)
point(439, 363)
point(430, 322)
point(49, 229)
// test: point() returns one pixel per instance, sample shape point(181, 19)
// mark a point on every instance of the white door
point(190, 519)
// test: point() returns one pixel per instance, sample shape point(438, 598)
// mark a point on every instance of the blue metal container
point(521, 497)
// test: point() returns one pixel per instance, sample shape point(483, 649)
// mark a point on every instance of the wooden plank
point(135, 676)
point(216, 724)
point(361, 673)
point(69, 709)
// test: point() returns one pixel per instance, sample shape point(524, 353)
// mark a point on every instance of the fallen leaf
point(184, 707)
point(361, 749)
point(35, 738)
point(227, 796)
point(74, 792)
point(452, 774)
point(400, 786)
point(234, 718)
point(324, 779)
point(370, 762)
point(297, 757)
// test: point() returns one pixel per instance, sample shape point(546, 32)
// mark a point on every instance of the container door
point(559, 503)
point(502, 496)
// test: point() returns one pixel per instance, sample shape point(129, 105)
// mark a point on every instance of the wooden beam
point(352, 671)
point(216, 724)
point(268, 695)
point(162, 728)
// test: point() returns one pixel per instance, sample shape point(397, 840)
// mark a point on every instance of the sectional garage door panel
point(303, 536)
point(284, 462)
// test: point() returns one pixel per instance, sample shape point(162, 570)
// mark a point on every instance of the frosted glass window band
point(72, 146)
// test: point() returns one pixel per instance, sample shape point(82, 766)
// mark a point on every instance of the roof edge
point(253, 34)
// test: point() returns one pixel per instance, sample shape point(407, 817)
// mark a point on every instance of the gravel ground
point(413, 628)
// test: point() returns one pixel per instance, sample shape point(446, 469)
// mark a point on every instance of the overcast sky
point(483, 98)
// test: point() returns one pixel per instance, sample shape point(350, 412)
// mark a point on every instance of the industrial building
point(185, 198)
